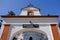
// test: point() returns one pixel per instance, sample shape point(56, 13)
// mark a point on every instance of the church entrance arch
point(29, 34)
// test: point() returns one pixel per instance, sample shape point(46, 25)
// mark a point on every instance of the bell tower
point(30, 10)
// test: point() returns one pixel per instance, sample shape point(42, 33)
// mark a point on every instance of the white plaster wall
point(37, 13)
point(26, 20)
point(24, 12)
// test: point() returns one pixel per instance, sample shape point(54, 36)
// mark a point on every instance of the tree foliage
point(0, 22)
point(11, 13)
point(59, 25)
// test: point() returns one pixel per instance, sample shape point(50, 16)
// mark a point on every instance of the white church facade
point(30, 25)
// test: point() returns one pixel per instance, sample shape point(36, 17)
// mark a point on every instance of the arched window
point(30, 13)
point(30, 38)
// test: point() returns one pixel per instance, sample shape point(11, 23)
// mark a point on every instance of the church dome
point(30, 7)
point(30, 10)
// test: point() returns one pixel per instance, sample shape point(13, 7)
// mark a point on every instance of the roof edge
point(29, 16)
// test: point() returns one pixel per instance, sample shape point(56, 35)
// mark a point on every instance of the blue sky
point(51, 7)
